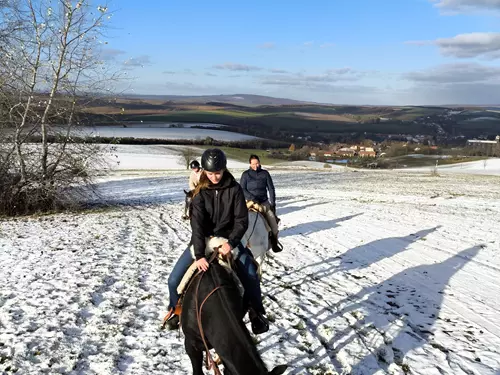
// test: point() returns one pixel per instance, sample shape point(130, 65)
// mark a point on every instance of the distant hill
point(236, 99)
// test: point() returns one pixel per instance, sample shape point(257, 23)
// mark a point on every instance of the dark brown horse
point(187, 204)
point(213, 307)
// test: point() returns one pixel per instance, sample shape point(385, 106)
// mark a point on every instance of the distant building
point(490, 147)
point(478, 142)
point(370, 149)
point(367, 154)
point(346, 152)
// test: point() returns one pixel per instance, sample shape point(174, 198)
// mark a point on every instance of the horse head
point(187, 204)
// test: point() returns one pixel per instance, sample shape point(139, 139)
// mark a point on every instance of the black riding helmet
point(213, 160)
point(194, 164)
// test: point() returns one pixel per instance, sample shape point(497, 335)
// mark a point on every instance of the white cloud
point(340, 71)
point(268, 45)
point(455, 73)
point(139, 61)
point(485, 45)
point(302, 79)
point(236, 67)
point(278, 71)
point(465, 6)
point(109, 54)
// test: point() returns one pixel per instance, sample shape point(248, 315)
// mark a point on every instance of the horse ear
point(186, 192)
point(278, 370)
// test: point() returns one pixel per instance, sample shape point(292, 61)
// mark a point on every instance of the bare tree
point(188, 154)
point(49, 73)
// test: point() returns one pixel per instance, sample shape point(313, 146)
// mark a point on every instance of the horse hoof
point(278, 370)
point(172, 324)
point(259, 324)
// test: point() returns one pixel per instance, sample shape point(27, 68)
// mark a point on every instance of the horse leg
point(195, 355)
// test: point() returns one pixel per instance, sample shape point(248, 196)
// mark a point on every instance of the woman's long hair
point(204, 182)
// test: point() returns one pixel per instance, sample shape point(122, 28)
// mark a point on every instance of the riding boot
point(275, 244)
point(259, 322)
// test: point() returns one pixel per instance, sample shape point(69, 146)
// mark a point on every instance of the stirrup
point(170, 317)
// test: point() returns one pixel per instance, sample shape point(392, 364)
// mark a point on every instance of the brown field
point(115, 109)
point(325, 117)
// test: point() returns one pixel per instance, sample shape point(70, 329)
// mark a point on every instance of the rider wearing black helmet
point(219, 209)
point(194, 164)
point(194, 178)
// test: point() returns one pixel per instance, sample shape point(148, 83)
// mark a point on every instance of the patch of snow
point(153, 157)
point(483, 118)
point(307, 164)
point(489, 166)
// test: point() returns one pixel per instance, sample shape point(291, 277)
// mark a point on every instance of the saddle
point(260, 209)
point(212, 243)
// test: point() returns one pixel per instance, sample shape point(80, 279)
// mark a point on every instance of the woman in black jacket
point(219, 209)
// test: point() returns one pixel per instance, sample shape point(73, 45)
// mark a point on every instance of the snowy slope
point(489, 166)
point(152, 157)
point(382, 273)
point(307, 164)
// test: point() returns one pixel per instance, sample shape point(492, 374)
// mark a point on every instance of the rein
point(210, 363)
point(254, 223)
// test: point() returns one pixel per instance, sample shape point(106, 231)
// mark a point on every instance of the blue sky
point(335, 51)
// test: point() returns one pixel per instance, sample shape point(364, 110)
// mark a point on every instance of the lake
point(164, 131)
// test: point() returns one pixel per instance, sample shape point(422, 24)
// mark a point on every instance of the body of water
point(163, 131)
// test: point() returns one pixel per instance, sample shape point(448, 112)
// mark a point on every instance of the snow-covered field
point(485, 167)
point(161, 158)
point(152, 157)
point(385, 272)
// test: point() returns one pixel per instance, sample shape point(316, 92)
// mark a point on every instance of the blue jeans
point(245, 269)
point(175, 277)
point(247, 272)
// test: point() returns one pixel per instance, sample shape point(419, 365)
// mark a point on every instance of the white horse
point(256, 238)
